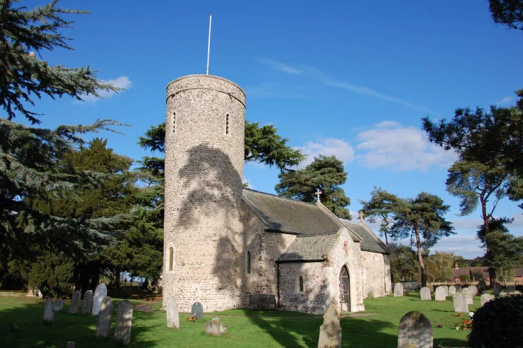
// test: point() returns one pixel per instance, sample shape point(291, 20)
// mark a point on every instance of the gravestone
point(486, 297)
point(173, 316)
point(460, 303)
point(58, 305)
point(215, 327)
point(48, 311)
point(330, 330)
point(415, 331)
point(474, 290)
point(503, 294)
point(452, 290)
point(497, 289)
point(370, 293)
point(441, 294)
point(482, 286)
point(425, 294)
point(262, 302)
point(511, 289)
point(87, 305)
point(105, 315)
point(458, 287)
point(468, 294)
point(75, 302)
point(197, 309)
point(99, 294)
point(446, 288)
point(124, 320)
point(398, 290)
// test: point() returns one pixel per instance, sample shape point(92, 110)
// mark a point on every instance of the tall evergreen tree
point(325, 174)
point(508, 12)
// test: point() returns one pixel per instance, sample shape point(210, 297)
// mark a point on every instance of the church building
point(226, 246)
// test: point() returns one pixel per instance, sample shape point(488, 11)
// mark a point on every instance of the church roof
point(369, 241)
point(309, 248)
point(287, 215)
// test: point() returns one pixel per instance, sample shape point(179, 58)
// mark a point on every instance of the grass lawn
point(245, 328)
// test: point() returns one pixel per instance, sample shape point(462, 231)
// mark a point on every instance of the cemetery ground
point(377, 327)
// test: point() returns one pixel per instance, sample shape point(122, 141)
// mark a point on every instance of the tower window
point(174, 122)
point(300, 284)
point(227, 124)
point(171, 258)
point(249, 262)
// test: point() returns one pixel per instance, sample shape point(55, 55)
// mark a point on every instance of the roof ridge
point(280, 197)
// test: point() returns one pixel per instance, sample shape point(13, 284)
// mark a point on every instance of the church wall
point(376, 274)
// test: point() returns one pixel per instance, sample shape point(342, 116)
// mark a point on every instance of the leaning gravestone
point(103, 326)
point(415, 331)
point(497, 289)
point(468, 294)
point(58, 305)
point(460, 303)
point(48, 311)
point(474, 290)
point(330, 330)
point(197, 309)
point(75, 302)
point(99, 294)
point(486, 298)
point(441, 294)
point(398, 290)
point(425, 294)
point(124, 320)
point(87, 305)
point(511, 289)
point(173, 316)
point(452, 290)
point(215, 327)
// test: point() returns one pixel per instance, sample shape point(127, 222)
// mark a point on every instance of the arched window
point(174, 122)
point(248, 262)
point(300, 284)
point(227, 124)
point(171, 258)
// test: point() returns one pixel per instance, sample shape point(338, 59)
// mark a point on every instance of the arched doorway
point(345, 289)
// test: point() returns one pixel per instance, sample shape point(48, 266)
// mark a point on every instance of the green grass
point(246, 328)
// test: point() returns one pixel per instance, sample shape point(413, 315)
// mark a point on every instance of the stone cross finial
point(318, 194)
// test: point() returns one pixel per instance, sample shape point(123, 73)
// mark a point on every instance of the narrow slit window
point(227, 124)
point(171, 258)
point(174, 122)
point(248, 262)
point(300, 285)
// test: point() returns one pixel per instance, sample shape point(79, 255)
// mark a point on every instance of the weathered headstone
point(58, 305)
point(415, 331)
point(398, 290)
point(99, 294)
point(452, 290)
point(468, 294)
point(446, 288)
point(482, 286)
point(460, 303)
point(486, 297)
point(215, 327)
point(173, 316)
point(330, 330)
point(441, 294)
point(48, 311)
point(124, 320)
point(87, 305)
point(197, 309)
point(473, 289)
point(425, 294)
point(370, 293)
point(511, 289)
point(105, 315)
point(262, 302)
point(75, 302)
point(497, 289)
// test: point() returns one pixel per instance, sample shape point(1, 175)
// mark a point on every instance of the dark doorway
point(345, 289)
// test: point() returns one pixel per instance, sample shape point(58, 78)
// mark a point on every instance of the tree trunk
point(386, 239)
point(420, 257)
point(117, 280)
point(486, 224)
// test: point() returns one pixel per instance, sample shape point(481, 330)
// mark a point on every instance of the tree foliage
point(24, 34)
point(403, 263)
point(508, 12)
point(325, 174)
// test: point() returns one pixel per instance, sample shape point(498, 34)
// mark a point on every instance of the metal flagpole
point(209, 43)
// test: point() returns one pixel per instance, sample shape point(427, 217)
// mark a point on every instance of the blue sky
point(345, 78)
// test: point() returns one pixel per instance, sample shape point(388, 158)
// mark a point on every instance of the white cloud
point(518, 220)
point(120, 82)
point(327, 80)
point(466, 246)
point(505, 100)
point(327, 147)
point(470, 224)
point(399, 148)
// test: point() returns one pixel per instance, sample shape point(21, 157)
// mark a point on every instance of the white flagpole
point(209, 43)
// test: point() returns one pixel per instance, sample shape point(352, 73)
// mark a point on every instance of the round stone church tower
point(204, 155)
